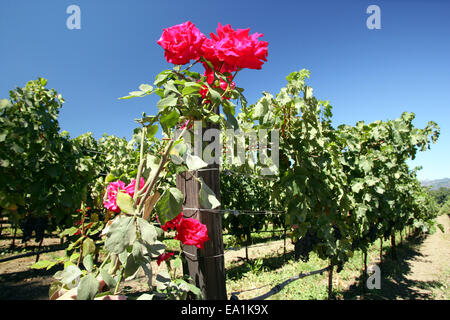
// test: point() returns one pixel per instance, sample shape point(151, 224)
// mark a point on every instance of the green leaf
point(133, 94)
point(3, 103)
point(194, 162)
point(69, 232)
point(110, 178)
point(41, 264)
point(216, 97)
point(190, 90)
point(366, 165)
point(88, 288)
point(109, 280)
point(190, 287)
point(162, 77)
point(88, 262)
point(169, 120)
point(125, 202)
point(121, 233)
point(131, 266)
point(261, 108)
point(74, 256)
point(358, 186)
point(147, 230)
point(145, 296)
point(207, 198)
point(69, 276)
point(88, 246)
point(151, 131)
point(232, 122)
point(215, 118)
point(169, 101)
point(169, 205)
point(170, 86)
point(145, 87)
point(176, 263)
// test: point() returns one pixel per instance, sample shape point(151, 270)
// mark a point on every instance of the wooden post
point(206, 266)
point(394, 256)
point(330, 282)
point(38, 250)
point(364, 276)
point(13, 244)
point(381, 250)
point(284, 243)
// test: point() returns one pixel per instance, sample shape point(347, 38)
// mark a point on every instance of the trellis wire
point(237, 212)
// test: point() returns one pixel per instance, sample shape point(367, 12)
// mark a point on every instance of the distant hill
point(436, 184)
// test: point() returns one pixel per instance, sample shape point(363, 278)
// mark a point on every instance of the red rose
point(182, 43)
point(164, 257)
point(192, 232)
point(172, 224)
point(238, 49)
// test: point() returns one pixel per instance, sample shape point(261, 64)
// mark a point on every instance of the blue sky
point(365, 74)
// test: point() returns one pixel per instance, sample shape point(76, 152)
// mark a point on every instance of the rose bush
point(131, 240)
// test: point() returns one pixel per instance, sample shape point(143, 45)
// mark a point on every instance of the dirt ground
point(17, 280)
point(433, 263)
point(422, 271)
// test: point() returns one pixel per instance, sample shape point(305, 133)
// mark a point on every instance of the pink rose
point(111, 192)
point(130, 187)
point(181, 43)
point(192, 232)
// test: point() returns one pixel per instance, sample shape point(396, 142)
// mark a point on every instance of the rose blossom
point(163, 257)
point(192, 232)
point(111, 192)
point(172, 224)
point(236, 48)
point(130, 187)
point(181, 43)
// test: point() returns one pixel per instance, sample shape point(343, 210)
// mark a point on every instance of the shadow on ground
point(27, 285)
point(238, 269)
point(394, 283)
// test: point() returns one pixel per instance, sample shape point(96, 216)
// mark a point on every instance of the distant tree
point(442, 195)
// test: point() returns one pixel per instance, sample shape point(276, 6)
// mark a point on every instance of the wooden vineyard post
point(393, 250)
point(284, 243)
point(381, 250)
point(206, 267)
point(364, 272)
point(330, 281)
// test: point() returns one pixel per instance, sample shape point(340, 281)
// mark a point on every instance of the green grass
point(272, 269)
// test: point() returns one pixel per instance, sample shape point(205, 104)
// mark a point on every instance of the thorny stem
point(194, 63)
point(103, 264)
point(118, 283)
point(158, 171)
point(141, 165)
